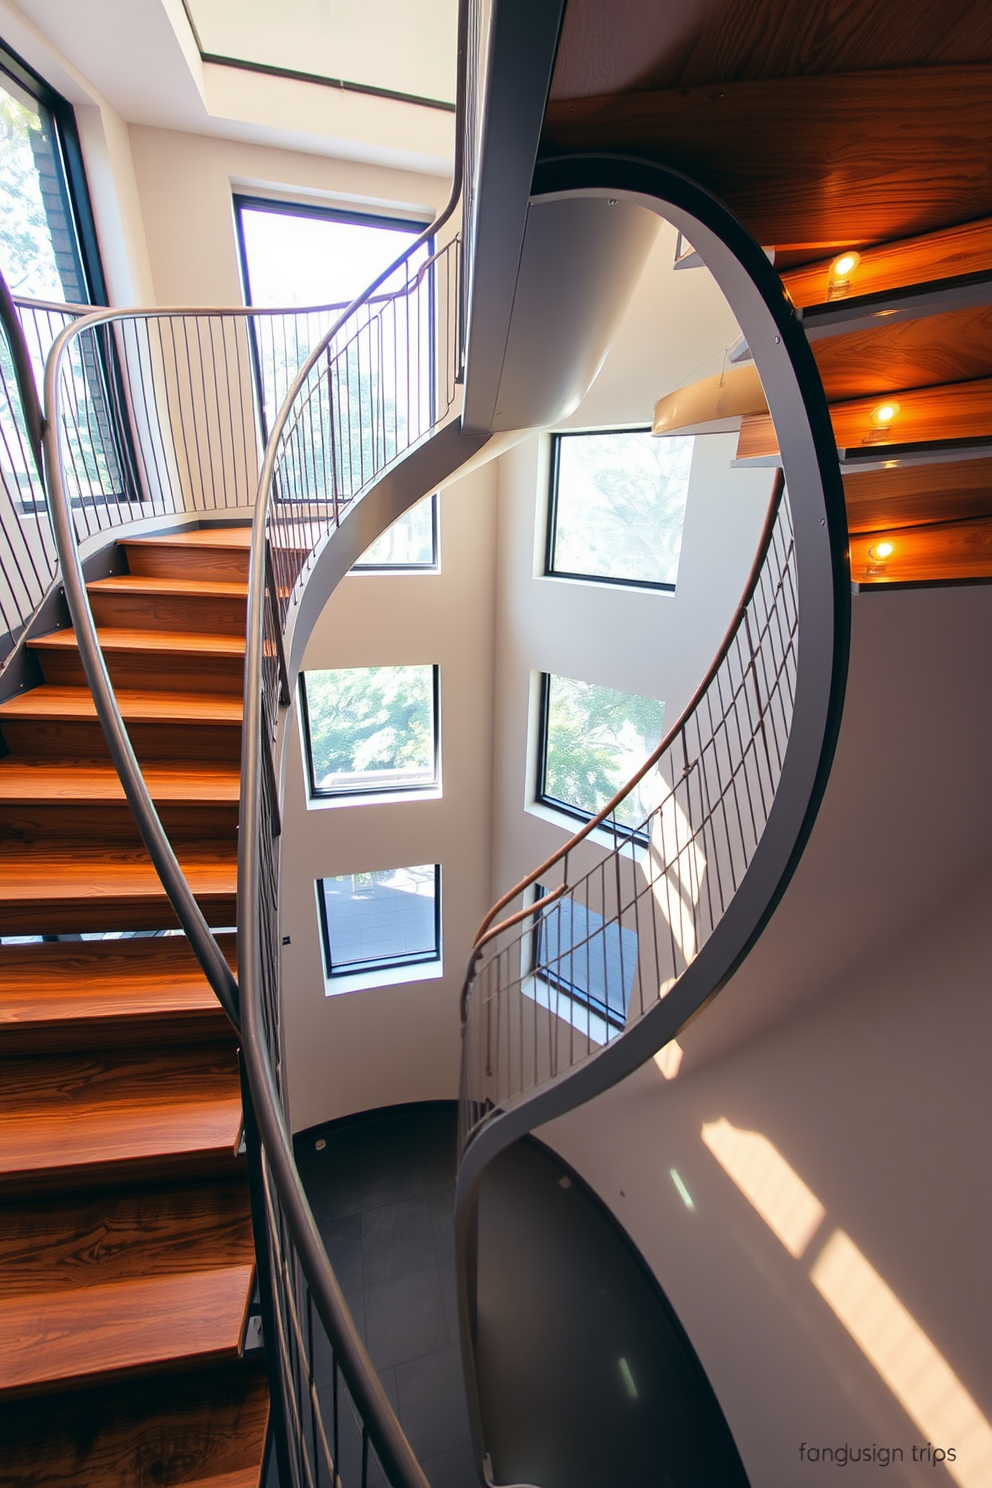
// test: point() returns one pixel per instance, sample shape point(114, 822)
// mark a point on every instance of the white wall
point(368, 1048)
point(855, 1040)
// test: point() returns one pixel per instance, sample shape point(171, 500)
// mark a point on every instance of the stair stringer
point(796, 399)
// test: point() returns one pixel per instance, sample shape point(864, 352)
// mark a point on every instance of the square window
point(410, 543)
point(371, 729)
point(592, 740)
point(617, 507)
point(389, 917)
point(592, 962)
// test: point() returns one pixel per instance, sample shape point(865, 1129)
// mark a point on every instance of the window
point(371, 729)
point(593, 963)
point(388, 918)
point(47, 239)
point(410, 543)
point(592, 739)
point(617, 506)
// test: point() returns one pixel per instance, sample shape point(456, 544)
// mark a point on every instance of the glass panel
point(384, 918)
point(594, 964)
point(409, 543)
point(371, 728)
point(387, 44)
point(308, 257)
point(619, 506)
point(595, 738)
point(39, 253)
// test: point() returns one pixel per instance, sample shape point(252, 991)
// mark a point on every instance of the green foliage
point(371, 719)
point(26, 254)
point(597, 738)
point(621, 505)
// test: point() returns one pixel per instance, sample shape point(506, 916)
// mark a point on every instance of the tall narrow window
point(617, 506)
point(371, 729)
point(592, 740)
point(47, 240)
point(388, 918)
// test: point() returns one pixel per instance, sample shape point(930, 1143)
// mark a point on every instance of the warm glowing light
point(881, 550)
point(669, 1059)
point(916, 1373)
point(883, 414)
point(844, 267)
point(788, 1207)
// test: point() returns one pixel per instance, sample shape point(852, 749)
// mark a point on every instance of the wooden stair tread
point(139, 584)
point(123, 1327)
point(123, 638)
point(54, 1244)
point(65, 871)
point(196, 1428)
point(68, 989)
point(52, 702)
point(929, 258)
point(197, 537)
point(939, 552)
point(31, 779)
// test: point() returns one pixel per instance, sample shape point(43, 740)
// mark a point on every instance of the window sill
point(373, 798)
point(569, 1010)
point(388, 976)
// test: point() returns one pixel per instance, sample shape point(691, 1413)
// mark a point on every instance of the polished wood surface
point(893, 356)
point(950, 253)
point(177, 661)
point(183, 1430)
point(634, 45)
point(962, 411)
point(129, 602)
point(734, 391)
point(210, 555)
point(122, 1328)
point(146, 992)
point(916, 494)
point(958, 551)
point(817, 163)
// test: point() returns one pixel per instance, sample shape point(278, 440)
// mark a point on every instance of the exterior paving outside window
point(591, 962)
point(386, 918)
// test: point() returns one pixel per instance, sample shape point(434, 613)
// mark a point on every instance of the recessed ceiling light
point(883, 414)
point(881, 550)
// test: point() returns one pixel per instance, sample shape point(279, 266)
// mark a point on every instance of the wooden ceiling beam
point(812, 163)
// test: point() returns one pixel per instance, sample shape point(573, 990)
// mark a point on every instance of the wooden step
point(896, 355)
point(207, 553)
point(173, 660)
point(54, 890)
point(931, 258)
point(79, 1120)
point(132, 602)
point(119, 1329)
point(83, 801)
point(911, 495)
point(60, 722)
point(949, 414)
point(106, 994)
point(187, 1431)
point(938, 553)
point(52, 1245)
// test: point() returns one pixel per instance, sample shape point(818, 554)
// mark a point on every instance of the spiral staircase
point(160, 1229)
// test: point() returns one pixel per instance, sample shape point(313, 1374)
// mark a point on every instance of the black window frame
point(432, 566)
point(316, 794)
point(550, 572)
point(379, 963)
point(577, 813)
point(561, 984)
point(278, 207)
point(79, 206)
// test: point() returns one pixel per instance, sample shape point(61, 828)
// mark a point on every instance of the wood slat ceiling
point(635, 46)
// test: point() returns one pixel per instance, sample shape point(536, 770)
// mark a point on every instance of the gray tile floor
point(382, 1191)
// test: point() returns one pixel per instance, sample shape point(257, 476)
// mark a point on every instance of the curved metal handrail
point(572, 991)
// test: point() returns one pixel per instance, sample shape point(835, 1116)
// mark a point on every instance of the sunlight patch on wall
point(790, 1209)
point(916, 1373)
point(673, 864)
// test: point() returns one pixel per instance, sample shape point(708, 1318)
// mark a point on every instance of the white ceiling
point(141, 57)
point(394, 44)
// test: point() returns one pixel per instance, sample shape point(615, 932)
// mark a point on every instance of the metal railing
point(560, 969)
